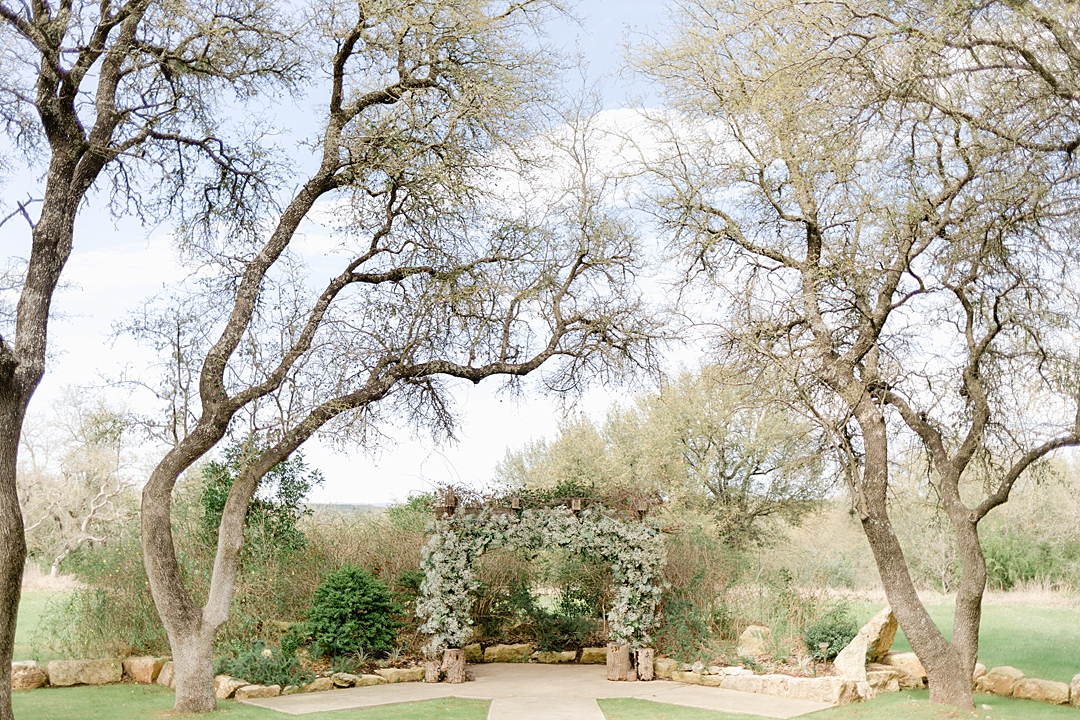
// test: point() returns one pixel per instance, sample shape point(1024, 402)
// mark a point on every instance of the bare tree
point(471, 245)
point(76, 480)
point(88, 88)
point(905, 269)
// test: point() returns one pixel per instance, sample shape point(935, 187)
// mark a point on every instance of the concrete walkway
point(543, 692)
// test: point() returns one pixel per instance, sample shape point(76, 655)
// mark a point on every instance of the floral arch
point(635, 551)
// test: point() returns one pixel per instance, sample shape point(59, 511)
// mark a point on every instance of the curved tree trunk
point(193, 666)
point(945, 669)
point(12, 540)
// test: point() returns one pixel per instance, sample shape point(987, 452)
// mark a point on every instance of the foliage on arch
point(635, 551)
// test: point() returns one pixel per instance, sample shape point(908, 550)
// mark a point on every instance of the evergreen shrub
point(352, 610)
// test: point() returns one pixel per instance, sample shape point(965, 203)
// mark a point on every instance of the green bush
point(264, 665)
point(836, 627)
point(1015, 557)
point(352, 611)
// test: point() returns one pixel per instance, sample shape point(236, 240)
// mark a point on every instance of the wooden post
point(618, 661)
point(645, 658)
point(454, 665)
point(432, 671)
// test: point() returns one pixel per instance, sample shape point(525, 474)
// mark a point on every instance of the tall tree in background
point(93, 88)
point(711, 443)
point(905, 269)
point(453, 261)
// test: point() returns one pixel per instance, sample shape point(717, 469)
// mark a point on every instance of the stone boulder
point(344, 680)
point(686, 676)
point(1074, 691)
point(319, 684)
point(883, 678)
point(833, 690)
point(851, 661)
point(912, 672)
point(664, 667)
point(879, 633)
point(167, 676)
point(396, 675)
point(143, 669)
point(474, 653)
point(742, 683)
point(754, 641)
point(290, 690)
point(509, 653)
point(252, 692)
point(593, 656)
point(1046, 691)
point(711, 680)
point(27, 675)
point(370, 680)
point(225, 686)
point(566, 656)
point(63, 673)
point(978, 672)
point(999, 681)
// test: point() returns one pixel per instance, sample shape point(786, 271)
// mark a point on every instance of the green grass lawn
point(914, 705)
point(139, 702)
point(1042, 642)
point(31, 607)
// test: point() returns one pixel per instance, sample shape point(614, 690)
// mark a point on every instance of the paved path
point(543, 692)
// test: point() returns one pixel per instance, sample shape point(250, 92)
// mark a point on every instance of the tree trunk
point(12, 541)
point(968, 613)
point(645, 659)
point(454, 665)
point(432, 671)
point(194, 671)
point(618, 661)
point(944, 668)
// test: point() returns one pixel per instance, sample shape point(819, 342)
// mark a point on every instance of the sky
point(116, 265)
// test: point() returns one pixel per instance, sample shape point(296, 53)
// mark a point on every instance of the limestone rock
point(84, 672)
point(742, 683)
point(851, 661)
point(510, 653)
point(593, 656)
point(1074, 691)
point(711, 680)
point(144, 669)
point(879, 633)
point(396, 675)
point(167, 676)
point(369, 680)
point(290, 690)
point(251, 692)
point(978, 672)
point(686, 676)
point(474, 653)
point(912, 672)
point(737, 670)
point(999, 681)
point(834, 690)
point(226, 686)
point(27, 675)
point(775, 685)
point(664, 667)
point(566, 656)
point(1046, 691)
point(344, 680)
point(318, 685)
point(754, 641)
point(863, 690)
point(883, 680)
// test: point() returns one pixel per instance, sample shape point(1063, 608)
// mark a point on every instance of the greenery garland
point(635, 550)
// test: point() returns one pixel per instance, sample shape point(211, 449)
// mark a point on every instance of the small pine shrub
point(264, 665)
point(836, 627)
point(352, 611)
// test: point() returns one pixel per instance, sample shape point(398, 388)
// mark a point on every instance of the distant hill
point(346, 509)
